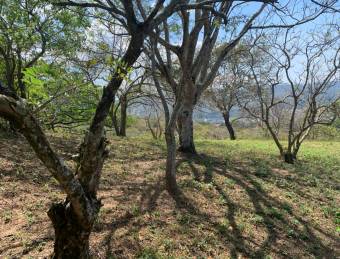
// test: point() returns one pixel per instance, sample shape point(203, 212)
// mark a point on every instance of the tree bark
point(289, 158)
point(72, 220)
point(115, 122)
point(170, 174)
point(230, 128)
point(20, 76)
point(123, 116)
point(185, 128)
point(113, 116)
point(71, 238)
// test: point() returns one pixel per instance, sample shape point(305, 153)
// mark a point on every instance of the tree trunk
point(185, 128)
point(115, 123)
point(22, 86)
point(289, 158)
point(113, 116)
point(229, 126)
point(123, 108)
point(73, 223)
point(170, 173)
point(71, 239)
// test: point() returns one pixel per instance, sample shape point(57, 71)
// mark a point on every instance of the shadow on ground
point(226, 208)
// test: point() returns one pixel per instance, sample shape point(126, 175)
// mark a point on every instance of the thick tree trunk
point(73, 223)
point(229, 126)
point(123, 116)
point(170, 174)
point(185, 128)
point(71, 239)
point(289, 158)
point(9, 91)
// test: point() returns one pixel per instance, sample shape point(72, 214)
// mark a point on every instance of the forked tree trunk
point(185, 128)
point(229, 126)
point(170, 174)
point(71, 239)
point(73, 223)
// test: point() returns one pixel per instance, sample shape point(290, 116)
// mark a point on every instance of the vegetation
point(85, 84)
point(237, 199)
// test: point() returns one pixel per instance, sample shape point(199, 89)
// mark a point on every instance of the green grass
point(309, 149)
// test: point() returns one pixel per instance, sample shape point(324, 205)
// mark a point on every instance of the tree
point(299, 80)
point(223, 92)
point(171, 110)
point(194, 60)
point(186, 70)
point(127, 95)
point(30, 30)
point(153, 122)
point(73, 219)
point(60, 97)
point(192, 41)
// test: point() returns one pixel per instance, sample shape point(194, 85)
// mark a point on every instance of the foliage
point(67, 99)
point(35, 83)
point(32, 30)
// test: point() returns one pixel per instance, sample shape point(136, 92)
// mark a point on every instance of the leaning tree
point(73, 219)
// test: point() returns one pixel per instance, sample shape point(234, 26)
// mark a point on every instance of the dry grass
point(237, 202)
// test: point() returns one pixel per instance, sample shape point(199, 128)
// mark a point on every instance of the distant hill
point(210, 115)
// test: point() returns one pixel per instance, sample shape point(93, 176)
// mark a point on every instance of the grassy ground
point(238, 201)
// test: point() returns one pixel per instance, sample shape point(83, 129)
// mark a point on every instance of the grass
point(238, 200)
point(309, 150)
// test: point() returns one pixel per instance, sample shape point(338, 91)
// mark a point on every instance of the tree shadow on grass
point(146, 204)
point(232, 238)
point(276, 217)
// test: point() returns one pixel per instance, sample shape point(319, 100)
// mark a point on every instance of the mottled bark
point(93, 152)
point(84, 206)
point(71, 239)
point(170, 174)
point(229, 126)
point(185, 127)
